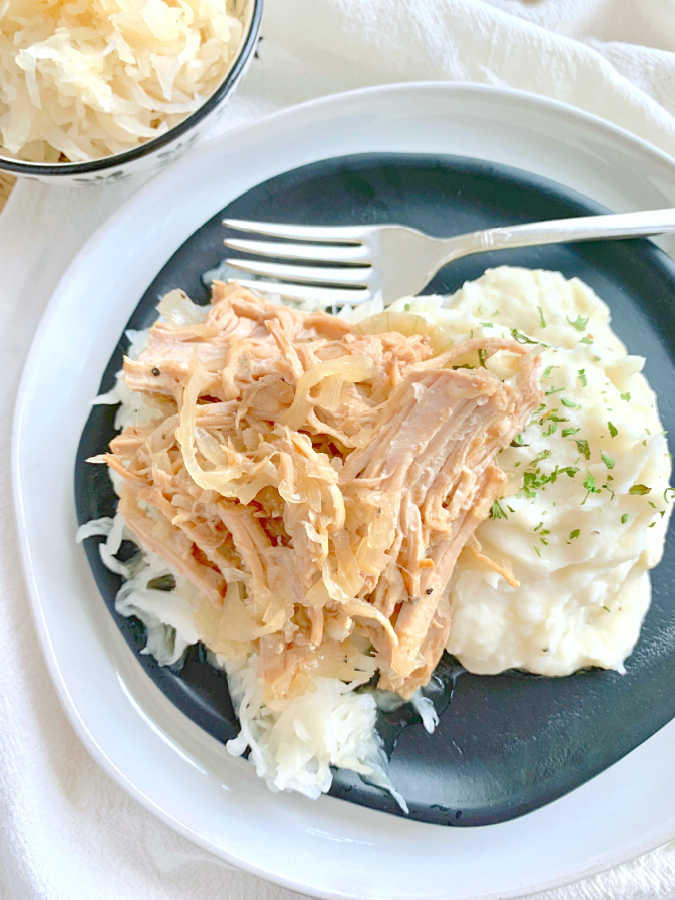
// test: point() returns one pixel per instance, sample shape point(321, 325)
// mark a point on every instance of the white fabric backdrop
point(67, 831)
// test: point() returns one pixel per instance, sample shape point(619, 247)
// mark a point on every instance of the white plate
point(328, 848)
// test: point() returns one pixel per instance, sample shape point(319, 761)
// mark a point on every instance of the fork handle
point(562, 231)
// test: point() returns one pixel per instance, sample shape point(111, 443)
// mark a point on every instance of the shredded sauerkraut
point(83, 80)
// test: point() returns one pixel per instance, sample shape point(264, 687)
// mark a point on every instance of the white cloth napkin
point(67, 830)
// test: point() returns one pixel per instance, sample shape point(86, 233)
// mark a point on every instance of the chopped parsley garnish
point(551, 417)
point(537, 550)
point(482, 356)
point(488, 324)
point(586, 340)
point(547, 371)
point(569, 403)
point(608, 461)
point(626, 396)
point(606, 608)
point(639, 489)
point(613, 431)
point(566, 432)
point(518, 441)
point(579, 323)
point(552, 428)
point(406, 307)
point(582, 376)
point(538, 458)
point(582, 447)
point(533, 480)
point(520, 337)
point(497, 511)
point(624, 518)
point(542, 320)
point(554, 390)
point(574, 534)
point(590, 486)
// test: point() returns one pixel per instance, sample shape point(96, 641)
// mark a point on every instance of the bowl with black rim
point(158, 151)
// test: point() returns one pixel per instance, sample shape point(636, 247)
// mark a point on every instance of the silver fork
point(351, 264)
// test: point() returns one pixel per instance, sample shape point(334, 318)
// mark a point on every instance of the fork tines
point(343, 269)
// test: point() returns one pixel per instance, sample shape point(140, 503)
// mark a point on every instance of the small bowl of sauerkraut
point(97, 90)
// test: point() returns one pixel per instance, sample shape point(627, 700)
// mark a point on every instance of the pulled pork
point(316, 482)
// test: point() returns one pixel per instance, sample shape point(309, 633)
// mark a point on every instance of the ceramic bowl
point(153, 154)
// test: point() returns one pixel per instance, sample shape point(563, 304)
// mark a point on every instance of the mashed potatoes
point(585, 511)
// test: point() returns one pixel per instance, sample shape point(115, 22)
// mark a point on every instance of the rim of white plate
point(69, 703)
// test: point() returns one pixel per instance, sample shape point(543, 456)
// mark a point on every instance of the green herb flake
point(553, 391)
point(520, 337)
point(573, 535)
point(586, 340)
point(547, 371)
point(488, 324)
point(482, 356)
point(624, 518)
point(669, 495)
point(566, 432)
point(606, 608)
point(537, 551)
point(590, 487)
point(518, 441)
point(583, 448)
point(406, 307)
point(542, 320)
point(497, 511)
point(568, 403)
point(639, 489)
point(589, 483)
point(613, 430)
point(552, 427)
point(582, 376)
point(626, 396)
point(538, 458)
point(579, 323)
point(608, 461)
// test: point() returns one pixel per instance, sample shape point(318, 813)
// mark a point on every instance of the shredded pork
point(317, 482)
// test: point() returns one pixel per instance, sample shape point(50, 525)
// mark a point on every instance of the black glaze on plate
point(506, 744)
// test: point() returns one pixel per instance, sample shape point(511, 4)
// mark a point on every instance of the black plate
point(506, 744)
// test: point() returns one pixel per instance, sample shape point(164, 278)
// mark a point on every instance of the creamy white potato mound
point(579, 542)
